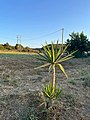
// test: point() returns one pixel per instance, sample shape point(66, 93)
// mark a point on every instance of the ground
point(21, 85)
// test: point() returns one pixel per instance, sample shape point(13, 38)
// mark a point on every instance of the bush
point(2, 47)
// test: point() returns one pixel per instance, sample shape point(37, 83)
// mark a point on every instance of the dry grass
point(15, 52)
point(20, 86)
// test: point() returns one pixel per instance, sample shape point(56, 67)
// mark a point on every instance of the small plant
point(51, 93)
point(30, 114)
point(28, 118)
point(86, 82)
point(72, 82)
point(31, 117)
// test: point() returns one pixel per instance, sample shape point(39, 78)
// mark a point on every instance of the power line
point(38, 37)
point(45, 35)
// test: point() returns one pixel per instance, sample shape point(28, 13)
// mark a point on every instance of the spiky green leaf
point(62, 69)
point(45, 65)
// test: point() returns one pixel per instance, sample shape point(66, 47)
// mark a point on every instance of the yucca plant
point(51, 93)
point(54, 56)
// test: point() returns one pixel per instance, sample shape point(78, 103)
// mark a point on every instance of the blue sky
point(34, 18)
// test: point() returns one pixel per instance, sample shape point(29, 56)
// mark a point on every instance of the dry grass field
point(20, 87)
point(15, 52)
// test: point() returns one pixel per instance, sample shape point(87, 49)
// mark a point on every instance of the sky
point(37, 21)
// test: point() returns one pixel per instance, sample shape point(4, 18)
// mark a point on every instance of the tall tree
point(78, 41)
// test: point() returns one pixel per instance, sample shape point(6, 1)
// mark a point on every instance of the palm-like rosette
point(54, 55)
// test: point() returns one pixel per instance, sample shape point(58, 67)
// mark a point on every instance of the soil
point(21, 86)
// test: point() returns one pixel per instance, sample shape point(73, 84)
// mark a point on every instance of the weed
point(30, 114)
point(86, 82)
point(72, 82)
point(84, 72)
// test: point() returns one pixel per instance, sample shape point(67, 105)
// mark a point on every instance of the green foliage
point(6, 47)
point(28, 118)
point(31, 117)
point(86, 82)
point(51, 93)
point(54, 56)
point(89, 45)
point(30, 114)
point(17, 47)
point(72, 82)
point(78, 42)
point(2, 47)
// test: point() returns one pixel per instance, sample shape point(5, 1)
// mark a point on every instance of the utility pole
point(19, 42)
point(17, 39)
point(20, 39)
point(62, 37)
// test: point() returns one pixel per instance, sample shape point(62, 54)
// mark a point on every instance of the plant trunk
point(53, 77)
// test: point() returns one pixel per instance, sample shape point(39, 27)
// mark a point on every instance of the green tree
point(88, 45)
point(78, 42)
